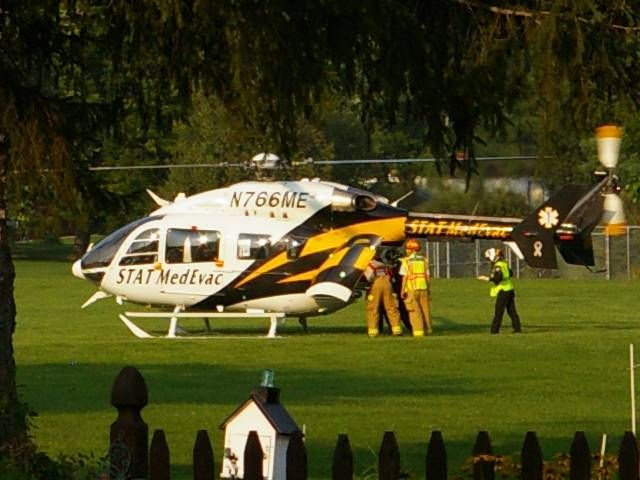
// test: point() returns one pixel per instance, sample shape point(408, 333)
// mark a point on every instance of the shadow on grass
point(290, 330)
point(248, 333)
point(42, 250)
point(446, 325)
point(85, 388)
point(442, 326)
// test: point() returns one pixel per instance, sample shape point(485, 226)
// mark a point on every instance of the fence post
point(448, 253)
point(628, 457)
point(129, 434)
point(531, 458)
point(483, 461)
point(159, 464)
point(342, 467)
point(580, 461)
point(296, 457)
point(436, 459)
point(607, 254)
point(253, 457)
point(389, 458)
point(203, 464)
point(628, 252)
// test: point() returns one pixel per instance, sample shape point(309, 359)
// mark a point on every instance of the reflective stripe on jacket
point(415, 272)
point(505, 284)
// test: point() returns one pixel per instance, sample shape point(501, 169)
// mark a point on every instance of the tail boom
point(459, 226)
point(566, 220)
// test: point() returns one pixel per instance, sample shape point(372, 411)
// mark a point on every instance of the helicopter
point(281, 249)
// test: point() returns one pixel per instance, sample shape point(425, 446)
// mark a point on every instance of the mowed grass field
point(568, 371)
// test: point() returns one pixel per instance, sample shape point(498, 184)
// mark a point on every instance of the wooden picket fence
point(129, 453)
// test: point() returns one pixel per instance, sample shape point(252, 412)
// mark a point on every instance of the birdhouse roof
point(274, 412)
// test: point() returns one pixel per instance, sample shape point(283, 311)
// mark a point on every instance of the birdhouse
point(263, 413)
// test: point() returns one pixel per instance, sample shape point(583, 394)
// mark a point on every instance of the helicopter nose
point(76, 269)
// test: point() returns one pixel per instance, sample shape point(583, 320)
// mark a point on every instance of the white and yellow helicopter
point(299, 248)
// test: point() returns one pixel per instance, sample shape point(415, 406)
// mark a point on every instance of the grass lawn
point(568, 371)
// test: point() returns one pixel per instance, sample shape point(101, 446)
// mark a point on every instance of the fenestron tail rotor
point(608, 138)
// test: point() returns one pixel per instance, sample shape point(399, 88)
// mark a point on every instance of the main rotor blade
point(175, 165)
point(406, 160)
point(295, 164)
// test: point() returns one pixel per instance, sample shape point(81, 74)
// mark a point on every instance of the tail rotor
point(608, 138)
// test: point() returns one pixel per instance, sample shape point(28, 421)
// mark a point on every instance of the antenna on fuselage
point(161, 202)
point(403, 197)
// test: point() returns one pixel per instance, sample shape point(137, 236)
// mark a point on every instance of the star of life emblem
point(548, 217)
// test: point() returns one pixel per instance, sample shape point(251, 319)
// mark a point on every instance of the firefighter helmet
point(412, 245)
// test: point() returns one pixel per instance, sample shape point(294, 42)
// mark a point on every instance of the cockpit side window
point(103, 252)
point(253, 246)
point(143, 249)
point(188, 246)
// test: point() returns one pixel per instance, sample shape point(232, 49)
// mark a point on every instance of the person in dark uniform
point(393, 259)
point(502, 289)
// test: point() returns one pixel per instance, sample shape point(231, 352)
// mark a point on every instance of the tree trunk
point(13, 424)
point(81, 242)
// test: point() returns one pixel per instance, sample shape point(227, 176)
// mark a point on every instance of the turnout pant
point(381, 293)
point(506, 301)
point(417, 303)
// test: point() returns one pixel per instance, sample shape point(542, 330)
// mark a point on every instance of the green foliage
point(401, 64)
point(348, 136)
point(557, 468)
point(447, 197)
point(629, 168)
point(39, 466)
point(117, 78)
point(214, 135)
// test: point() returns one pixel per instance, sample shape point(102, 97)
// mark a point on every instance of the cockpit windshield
point(103, 252)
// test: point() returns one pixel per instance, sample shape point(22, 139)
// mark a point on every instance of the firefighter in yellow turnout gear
point(381, 293)
point(415, 288)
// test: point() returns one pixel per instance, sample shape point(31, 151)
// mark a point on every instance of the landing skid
point(174, 329)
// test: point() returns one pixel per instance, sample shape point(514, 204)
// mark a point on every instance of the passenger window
point(188, 246)
point(294, 246)
point(143, 249)
point(253, 246)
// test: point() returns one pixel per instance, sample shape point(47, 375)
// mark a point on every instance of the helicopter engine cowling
point(344, 201)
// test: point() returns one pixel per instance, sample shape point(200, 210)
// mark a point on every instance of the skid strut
point(176, 315)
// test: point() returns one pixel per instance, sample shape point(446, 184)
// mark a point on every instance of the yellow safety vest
point(505, 284)
point(415, 272)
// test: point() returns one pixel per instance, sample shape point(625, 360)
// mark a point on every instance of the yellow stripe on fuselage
point(272, 264)
point(391, 229)
point(332, 261)
point(301, 277)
